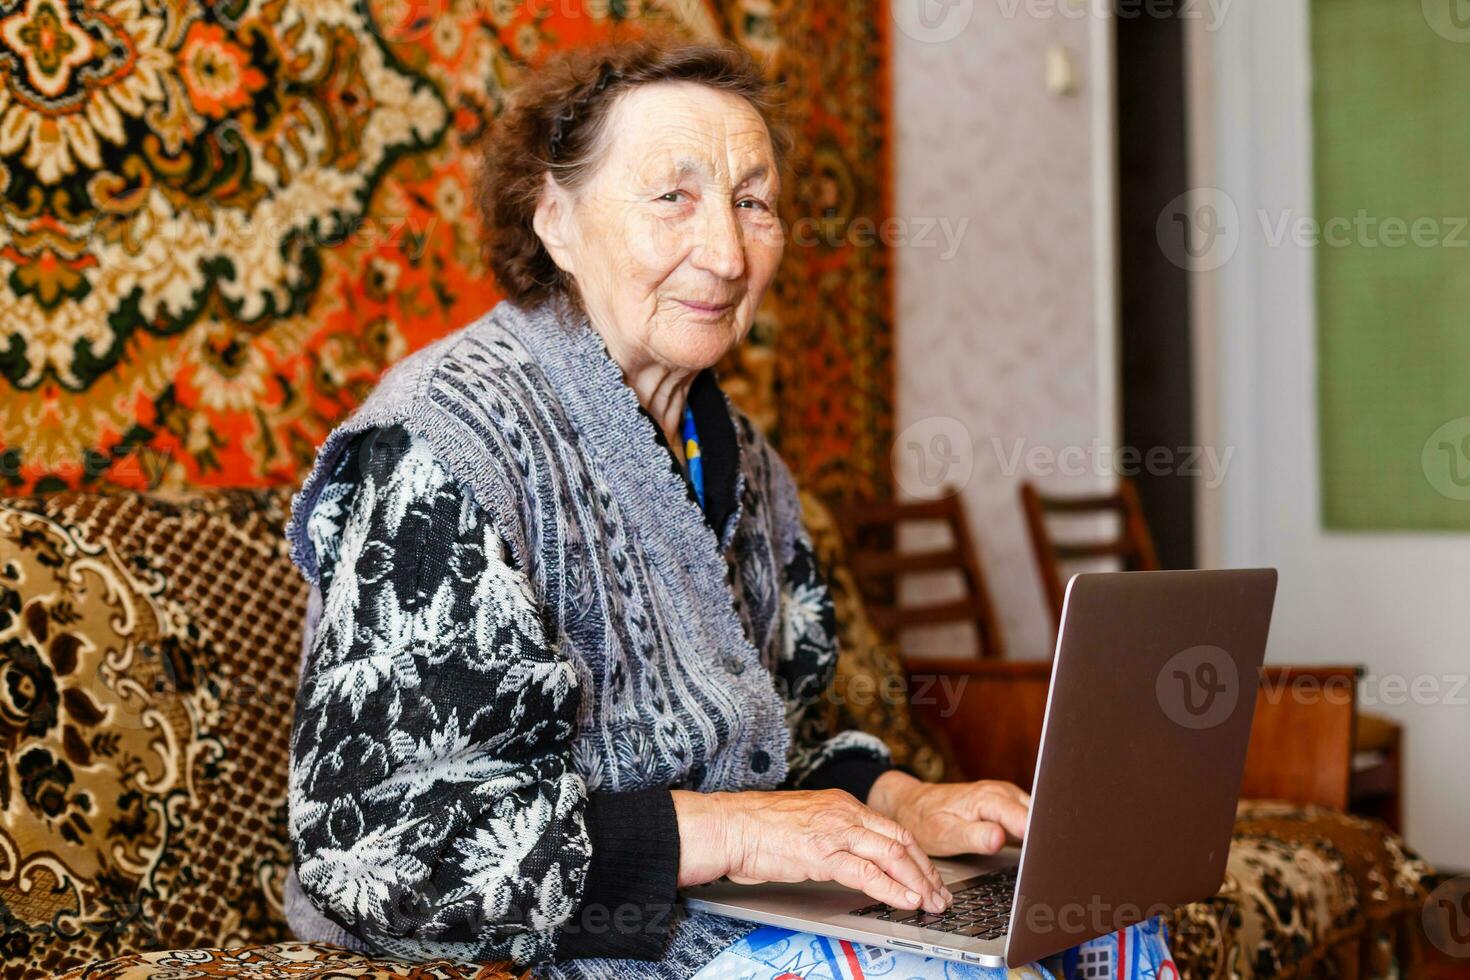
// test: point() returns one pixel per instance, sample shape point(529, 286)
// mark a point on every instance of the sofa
point(150, 647)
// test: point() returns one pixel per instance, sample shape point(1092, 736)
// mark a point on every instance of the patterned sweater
point(454, 788)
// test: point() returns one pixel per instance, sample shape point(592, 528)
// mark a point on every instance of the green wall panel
point(1391, 115)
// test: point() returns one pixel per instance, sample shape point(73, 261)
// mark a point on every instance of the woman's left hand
point(953, 818)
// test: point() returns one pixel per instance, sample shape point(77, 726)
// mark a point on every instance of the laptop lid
point(1142, 752)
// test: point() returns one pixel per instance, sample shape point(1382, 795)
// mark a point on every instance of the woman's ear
point(552, 222)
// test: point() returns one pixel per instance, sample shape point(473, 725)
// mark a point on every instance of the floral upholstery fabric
point(145, 682)
point(283, 961)
point(1308, 892)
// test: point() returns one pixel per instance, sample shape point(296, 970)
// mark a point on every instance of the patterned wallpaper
point(999, 336)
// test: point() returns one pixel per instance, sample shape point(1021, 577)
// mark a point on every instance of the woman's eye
point(757, 202)
point(671, 196)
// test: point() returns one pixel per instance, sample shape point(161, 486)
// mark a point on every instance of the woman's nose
point(722, 248)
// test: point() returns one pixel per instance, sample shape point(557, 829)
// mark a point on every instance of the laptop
point(1142, 753)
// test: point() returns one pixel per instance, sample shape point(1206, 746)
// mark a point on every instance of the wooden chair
point(1377, 758)
point(871, 535)
point(1133, 546)
point(988, 715)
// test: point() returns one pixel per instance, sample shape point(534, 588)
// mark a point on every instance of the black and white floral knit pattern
point(438, 808)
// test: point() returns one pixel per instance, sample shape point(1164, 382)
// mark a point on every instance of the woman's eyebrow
point(754, 173)
point(686, 166)
point(652, 173)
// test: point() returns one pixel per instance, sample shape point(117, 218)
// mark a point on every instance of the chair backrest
point(1131, 544)
point(991, 714)
point(871, 532)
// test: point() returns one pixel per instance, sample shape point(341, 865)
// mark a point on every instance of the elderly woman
point(567, 631)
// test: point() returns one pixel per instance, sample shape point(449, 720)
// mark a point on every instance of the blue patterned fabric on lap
point(1140, 952)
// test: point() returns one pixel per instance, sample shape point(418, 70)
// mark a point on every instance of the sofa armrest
point(989, 715)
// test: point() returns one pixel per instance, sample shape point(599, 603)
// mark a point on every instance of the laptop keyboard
point(981, 908)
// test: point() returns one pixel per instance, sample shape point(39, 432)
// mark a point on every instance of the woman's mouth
point(708, 309)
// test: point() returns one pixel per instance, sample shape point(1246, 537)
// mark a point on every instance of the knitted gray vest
point(673, 635)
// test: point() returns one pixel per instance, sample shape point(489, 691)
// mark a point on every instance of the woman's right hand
point(803, 835)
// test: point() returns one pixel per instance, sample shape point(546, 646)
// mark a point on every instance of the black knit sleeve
point(434, 808)
point(818, 758)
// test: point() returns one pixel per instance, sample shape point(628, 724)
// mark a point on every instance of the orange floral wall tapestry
point(220, 222)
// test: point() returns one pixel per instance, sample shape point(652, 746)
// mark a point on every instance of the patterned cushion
point(1308, 892)
point(280, 961)
point(149, 650)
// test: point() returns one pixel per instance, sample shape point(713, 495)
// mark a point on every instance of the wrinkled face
point(674, 238)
